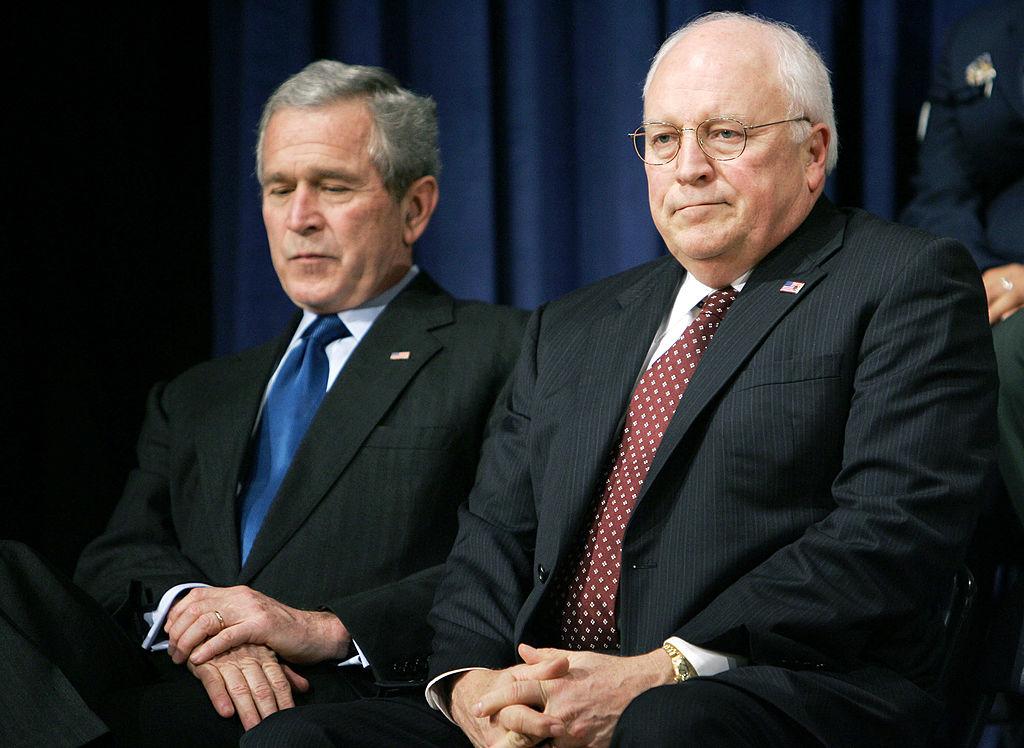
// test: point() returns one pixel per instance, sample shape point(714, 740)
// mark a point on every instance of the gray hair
point(800, 69)
point(403, 142)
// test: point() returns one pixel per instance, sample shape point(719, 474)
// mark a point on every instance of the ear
point(417, 207)
point(815, 154)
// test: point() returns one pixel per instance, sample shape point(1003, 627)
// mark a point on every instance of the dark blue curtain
point(541, 192)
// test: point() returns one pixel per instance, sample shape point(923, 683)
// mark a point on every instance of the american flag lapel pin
point(791, 286)
point(400, 355)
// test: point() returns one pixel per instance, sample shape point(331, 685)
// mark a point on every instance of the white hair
point(800, 69)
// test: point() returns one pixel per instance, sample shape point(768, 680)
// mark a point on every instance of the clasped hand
point(572, 698)
point(232, 638)
point(211, 620)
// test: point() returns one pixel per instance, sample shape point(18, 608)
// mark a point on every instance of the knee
point(696, 712)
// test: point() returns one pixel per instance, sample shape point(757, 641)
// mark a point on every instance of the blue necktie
point(291, 404)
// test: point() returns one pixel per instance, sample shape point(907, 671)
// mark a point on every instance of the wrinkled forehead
point(721, 69)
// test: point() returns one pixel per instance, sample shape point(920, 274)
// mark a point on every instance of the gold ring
point(220, 618)
point(543, 692)
point(1007, 283)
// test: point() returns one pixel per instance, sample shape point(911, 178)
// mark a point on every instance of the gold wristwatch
point(684, 670)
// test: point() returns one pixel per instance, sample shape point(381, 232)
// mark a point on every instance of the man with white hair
point(730, 488)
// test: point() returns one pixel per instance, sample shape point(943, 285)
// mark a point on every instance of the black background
point(105, 276)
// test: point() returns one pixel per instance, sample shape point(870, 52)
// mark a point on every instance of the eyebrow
point(317, 175)
point(716, 115)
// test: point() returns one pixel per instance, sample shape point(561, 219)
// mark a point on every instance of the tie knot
point(325, 330)
point(717, 304)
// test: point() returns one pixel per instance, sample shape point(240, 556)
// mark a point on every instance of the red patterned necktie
point(583, 603)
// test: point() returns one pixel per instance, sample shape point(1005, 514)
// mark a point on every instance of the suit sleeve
point(947, 197)
point(865, 584)
point(389, 622)
point(489, 569)
point(137, 557)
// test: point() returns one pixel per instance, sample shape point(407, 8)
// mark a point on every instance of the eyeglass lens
point(719, 138)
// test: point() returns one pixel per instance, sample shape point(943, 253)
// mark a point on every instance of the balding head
point(720, 211)
point(796, 65)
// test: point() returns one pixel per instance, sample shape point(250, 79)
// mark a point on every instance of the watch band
point(684, 670)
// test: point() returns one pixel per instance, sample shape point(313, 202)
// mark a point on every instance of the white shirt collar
point(691, 292)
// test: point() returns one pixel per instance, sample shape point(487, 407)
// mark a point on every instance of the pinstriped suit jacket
point(811, 497)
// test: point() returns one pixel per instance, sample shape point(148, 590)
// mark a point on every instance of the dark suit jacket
point(367, 510)
point(971, 180)
point(811, 496)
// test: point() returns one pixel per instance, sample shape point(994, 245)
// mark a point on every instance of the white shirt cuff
point(156, 618)
point(438, 692)
point(357, 659)
point(706, 661)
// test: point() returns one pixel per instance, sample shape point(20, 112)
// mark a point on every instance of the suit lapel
point(609, 363)
point(222, 445)
point(757, 309)
point(365, 389)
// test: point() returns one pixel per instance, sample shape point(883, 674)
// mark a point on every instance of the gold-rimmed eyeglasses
point(720, 138)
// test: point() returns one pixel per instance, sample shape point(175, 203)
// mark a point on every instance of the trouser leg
point(706, 712)
point(61, 653)
point(405, 720)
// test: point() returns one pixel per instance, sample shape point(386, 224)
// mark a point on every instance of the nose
point(691, 163)
point(304, 216)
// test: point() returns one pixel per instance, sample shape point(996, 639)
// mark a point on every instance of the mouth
point(309, 257)
point(694, 206)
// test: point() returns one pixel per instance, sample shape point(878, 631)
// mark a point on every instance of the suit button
point(542, 573)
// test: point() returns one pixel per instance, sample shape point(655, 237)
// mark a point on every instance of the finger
point(241, 696)
point(279, 681)
point(515, 740)
point(187, 617)
point(186, 608)
point(994, 288)
point(204, 626)
point(529, 722)
point(532, 655)
point(220, 642)
point(545, 670)
point(262, 692)
point(216, 689)
point(299, 683)
point(542, 653)
point(1006, 303)
point(525, 692)
point(540, 664)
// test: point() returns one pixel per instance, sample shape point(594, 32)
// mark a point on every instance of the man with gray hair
point(283, 533)
point(730, 488)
